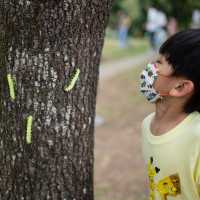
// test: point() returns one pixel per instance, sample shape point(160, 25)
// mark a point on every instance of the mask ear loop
point(162, 94)
point(167, 94)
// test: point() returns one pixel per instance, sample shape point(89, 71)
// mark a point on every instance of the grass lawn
point(112, 51)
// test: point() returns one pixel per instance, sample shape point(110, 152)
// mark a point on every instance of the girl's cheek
point(160, 85)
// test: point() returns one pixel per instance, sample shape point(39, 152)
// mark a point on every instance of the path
point(112, 68)
point(107, 70)
point(119, 167)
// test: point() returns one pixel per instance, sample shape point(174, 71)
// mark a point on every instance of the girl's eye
point(158, 62)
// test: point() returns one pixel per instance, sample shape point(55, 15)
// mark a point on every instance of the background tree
point(47, 116)
point(180, 9)
point(128, 7)
point(137, 10)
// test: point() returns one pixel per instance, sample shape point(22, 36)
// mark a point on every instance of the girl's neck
point(169, 112)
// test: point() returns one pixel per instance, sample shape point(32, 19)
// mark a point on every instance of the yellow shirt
point(172, 160)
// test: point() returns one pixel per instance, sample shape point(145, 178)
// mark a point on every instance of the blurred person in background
point(155, 26)
point(151, 25)
point(172, 26)
point(124, 24)
point(161, 33)
point(195, 19)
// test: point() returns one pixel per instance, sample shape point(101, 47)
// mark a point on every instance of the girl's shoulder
point(195, 123)
point(147, 120)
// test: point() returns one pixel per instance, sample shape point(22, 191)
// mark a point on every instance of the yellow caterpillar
point(73, 81)
point(29, 129)
point(11, 86)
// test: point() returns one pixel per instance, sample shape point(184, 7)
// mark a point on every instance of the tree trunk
point(49, 65)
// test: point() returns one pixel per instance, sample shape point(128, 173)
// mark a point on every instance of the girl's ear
point(184, 88)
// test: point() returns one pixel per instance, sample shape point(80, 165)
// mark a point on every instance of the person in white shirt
point(156, 20)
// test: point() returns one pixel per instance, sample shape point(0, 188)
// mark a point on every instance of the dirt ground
point(119, 165)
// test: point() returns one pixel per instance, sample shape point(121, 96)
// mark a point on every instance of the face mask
point(147, 78)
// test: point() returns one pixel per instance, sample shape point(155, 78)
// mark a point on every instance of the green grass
point(101, 191)
point(111, 50)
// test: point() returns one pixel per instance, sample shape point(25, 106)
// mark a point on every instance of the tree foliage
point(137, 10)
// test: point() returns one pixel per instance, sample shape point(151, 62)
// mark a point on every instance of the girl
point(171, 134)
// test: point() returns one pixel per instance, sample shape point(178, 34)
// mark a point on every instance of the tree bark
point(43, 44)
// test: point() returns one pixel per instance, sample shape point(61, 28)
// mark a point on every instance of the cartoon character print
point(168, 186)
point(152, 171)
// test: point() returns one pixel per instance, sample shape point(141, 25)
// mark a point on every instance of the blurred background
point(135, 32)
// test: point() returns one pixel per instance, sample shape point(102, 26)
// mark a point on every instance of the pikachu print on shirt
point(167, 186)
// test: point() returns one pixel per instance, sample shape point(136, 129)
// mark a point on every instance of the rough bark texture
point(42, 44)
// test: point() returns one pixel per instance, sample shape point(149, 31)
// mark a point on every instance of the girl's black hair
point(182, 51)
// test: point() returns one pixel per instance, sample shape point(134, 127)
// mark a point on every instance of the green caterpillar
point(73, 81)
point(29, 129)
point(11, 86)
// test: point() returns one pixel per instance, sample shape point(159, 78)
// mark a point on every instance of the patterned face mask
point(147, 78)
